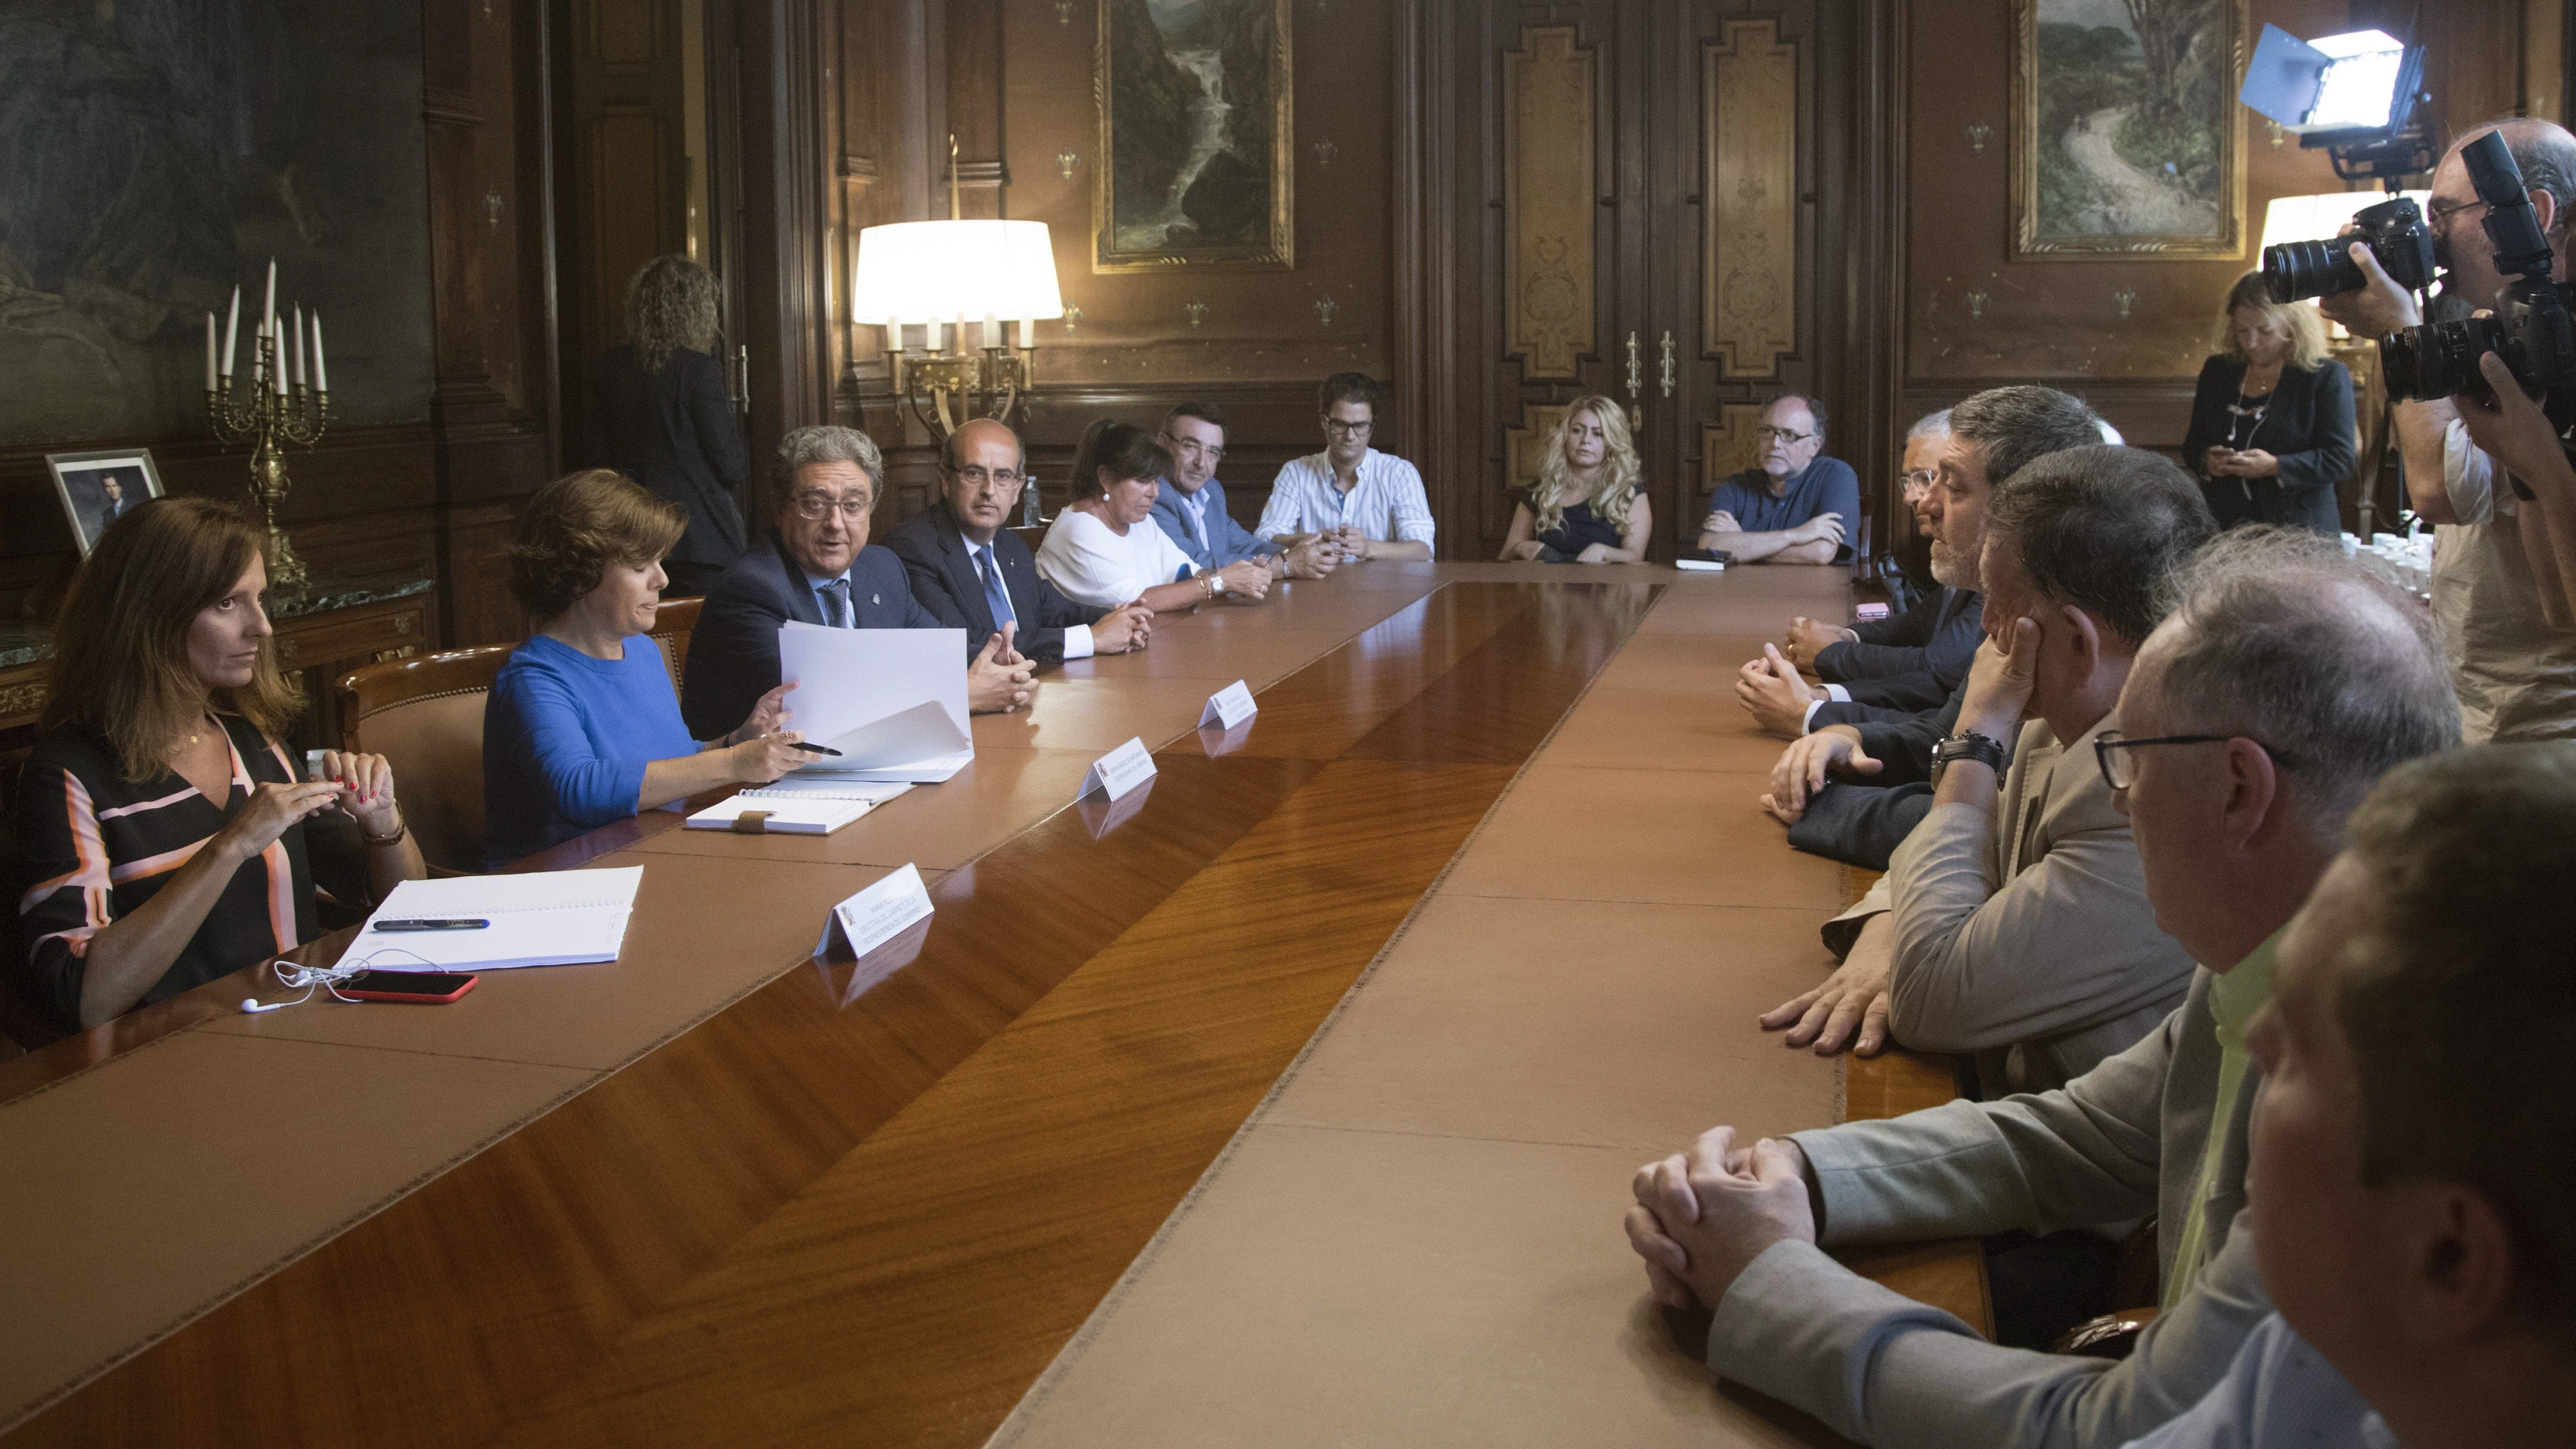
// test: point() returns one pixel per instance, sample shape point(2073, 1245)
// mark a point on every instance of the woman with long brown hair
point(660, 415)
point(163, 837)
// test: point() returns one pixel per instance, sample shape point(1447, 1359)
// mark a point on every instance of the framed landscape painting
point(2127, 138)
point(1194, 123)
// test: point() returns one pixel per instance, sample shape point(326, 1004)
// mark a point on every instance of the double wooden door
point(1679, 215)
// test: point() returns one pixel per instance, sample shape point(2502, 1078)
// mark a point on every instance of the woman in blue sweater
point(582, 727)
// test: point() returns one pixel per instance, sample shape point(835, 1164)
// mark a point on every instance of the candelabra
point(931, 381)
point(271, 415)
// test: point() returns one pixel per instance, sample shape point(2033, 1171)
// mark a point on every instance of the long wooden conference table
point(1294, 1102)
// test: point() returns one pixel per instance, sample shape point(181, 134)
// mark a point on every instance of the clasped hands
point(2240, 463)
point(361, 786)
point(1704, 1215)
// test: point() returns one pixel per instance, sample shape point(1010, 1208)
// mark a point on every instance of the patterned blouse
point(92, 846)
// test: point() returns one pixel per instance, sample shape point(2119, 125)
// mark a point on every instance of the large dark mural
point(154, 153)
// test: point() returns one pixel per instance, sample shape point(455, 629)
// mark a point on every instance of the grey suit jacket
point(2117, 1143)
point(2025, 936)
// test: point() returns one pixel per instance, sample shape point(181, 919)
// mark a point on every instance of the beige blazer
point(2024, 937)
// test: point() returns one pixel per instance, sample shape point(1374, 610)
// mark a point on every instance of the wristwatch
point(1970, 746)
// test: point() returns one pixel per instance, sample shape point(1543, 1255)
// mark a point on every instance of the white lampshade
point(2318, 218)
point(924, 270)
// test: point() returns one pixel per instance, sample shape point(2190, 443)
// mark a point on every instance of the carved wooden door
point(1678, 201)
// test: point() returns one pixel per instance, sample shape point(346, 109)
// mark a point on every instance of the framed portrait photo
point(2127, 139)
point(1196, 129)
point(99, 488)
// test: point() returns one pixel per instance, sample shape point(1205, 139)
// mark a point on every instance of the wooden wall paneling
point(1547, 201)
point(1726, 445)
point(1439, 182)
point(1526, 450)
point(785, 177)
point(1749, 293)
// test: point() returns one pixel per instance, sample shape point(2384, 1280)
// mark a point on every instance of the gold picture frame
point(2092, 185)
point(1176, 133)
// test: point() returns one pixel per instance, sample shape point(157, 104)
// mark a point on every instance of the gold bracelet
point(385, 842)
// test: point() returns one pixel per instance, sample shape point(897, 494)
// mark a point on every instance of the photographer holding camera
point(2499, 587)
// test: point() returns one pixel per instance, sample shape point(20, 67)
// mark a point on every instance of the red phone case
point(413, 997)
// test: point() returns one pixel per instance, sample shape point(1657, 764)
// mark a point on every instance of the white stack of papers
point(892, 701)
point(545, 918)
point(799, 806)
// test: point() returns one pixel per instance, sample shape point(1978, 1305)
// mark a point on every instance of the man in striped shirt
point(1363, 503)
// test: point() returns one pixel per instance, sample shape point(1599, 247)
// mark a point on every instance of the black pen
point(818, 749)
point(470, 924)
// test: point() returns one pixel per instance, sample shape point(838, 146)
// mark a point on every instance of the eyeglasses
point(820, 505)
point(1193, 448)
point(979, 476)
point(1921, 478)
point(2120, 769)
point(1780, 435)
point(1341, 429)
point(2442, 212)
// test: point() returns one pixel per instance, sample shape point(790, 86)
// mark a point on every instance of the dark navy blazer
point(733, 653)
point(945, 579)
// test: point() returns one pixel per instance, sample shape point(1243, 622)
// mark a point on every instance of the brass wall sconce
point(1979, 134)
point(1065, 161)
point(1325, 151)
point(1064, 13)
point(2125, 298)
point(1072, 315)
point(1977, 306)
point(1196, 310)
point(1324, 310)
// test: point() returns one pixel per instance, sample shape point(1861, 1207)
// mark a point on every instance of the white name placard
point(877, 914)
point(1228, 707)
point(1119, 771)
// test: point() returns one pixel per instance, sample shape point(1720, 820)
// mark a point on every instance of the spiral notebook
point(796, 807)
point(544, 918)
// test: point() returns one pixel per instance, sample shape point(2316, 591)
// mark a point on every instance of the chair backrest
point(672, 625)
point(1032, 534)
point(425, 716)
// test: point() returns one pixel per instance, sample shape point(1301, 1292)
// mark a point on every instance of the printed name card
point(877, 914)
point(1228, 707)
point(1119, 771)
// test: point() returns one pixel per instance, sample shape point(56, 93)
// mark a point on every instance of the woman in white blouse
point(1105, 549)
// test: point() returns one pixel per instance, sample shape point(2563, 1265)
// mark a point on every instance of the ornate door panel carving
point(1547, 201)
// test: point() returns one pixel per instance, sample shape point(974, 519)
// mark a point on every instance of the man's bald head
point(2545, 153)
point(981, 430)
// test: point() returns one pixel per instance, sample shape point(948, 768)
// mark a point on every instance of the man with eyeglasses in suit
point(1795, 507)
point(968, 568)
point(1190, 506)
point(819, 569)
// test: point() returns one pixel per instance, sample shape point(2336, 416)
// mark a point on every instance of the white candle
point(961, 332)
point(930, 334)
point(210, 350)
point(232, 332)
point(277, 356)
point(992, 331)
point(894, 334)
point(299, 344)
point(321, 370)
point(1029, 333)
point(268, 309)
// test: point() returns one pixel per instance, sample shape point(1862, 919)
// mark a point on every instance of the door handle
point(1636, 384)
point(741, 380)
point(1668, 364)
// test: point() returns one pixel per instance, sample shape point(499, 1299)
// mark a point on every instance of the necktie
point(836, 603)
point(995, 596)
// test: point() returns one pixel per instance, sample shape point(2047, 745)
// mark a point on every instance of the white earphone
point(251, 1005)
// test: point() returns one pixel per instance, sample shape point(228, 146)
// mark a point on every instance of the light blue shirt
point(2279, 1393)
point(1387, 503)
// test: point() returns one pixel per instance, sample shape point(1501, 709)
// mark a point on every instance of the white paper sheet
point(893, 701)
point(543, 918)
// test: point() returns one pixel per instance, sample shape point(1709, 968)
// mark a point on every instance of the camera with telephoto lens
point(2530, 328)
point(2393, 230)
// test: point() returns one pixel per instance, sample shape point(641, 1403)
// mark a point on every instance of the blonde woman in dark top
point(2271, 421)
point(1586, 506)
point(164, 838)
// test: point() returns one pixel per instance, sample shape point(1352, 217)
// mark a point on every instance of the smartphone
point(422, 987)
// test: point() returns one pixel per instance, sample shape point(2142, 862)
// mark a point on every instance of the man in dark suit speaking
point(819, 569)
point(977, 575)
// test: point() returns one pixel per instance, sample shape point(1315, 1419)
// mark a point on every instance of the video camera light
point(2336, 90)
